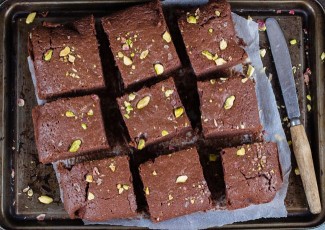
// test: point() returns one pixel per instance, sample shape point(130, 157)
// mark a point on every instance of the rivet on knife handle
point(301, 147)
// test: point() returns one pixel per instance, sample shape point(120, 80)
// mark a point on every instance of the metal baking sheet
point(302, 20)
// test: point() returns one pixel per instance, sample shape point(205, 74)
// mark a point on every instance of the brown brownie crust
point(167, 198)
point(99, 190)
point(220, 118)
point(252, 175)
point(156, 121)
point(78, 71)
point(58, 124)
point(134, 31)
point(213, 24)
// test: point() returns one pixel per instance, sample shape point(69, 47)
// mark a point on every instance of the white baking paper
point(270, 119)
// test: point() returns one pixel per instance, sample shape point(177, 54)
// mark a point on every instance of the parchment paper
point(270, 119)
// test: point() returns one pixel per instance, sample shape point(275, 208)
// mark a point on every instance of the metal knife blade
point(283, 67)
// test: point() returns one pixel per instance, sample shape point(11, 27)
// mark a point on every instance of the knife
point(301, 147)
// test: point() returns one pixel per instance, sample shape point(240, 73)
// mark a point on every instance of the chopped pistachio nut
point(159, 68)
point(244, 79)
point(90, 112)
point(89, 178)
point(308, 107)
point(297, 172)
point(112, 167)
point(308, 97)
point(223, 44)
point(71, 58)
point(293, 42)
point(126, 116)
point(213, 81)
point(178, 112)
point(141, 144)
point(75, 146)
point(207, 54)
point(220, 61)
point(322, 56)
point(147, 191)
point(45, 199)
point(240, 152)
point(262, 52)
point(84, 126)
point(229, 102)
point(144, 54)
point(48, 55)
point(120, 54)
point(191, 19)
point(166, 36)
point(169, 92)
point(170, 197)
point(30, 192)
point(69, 114)
point(249, 18)
point(217, 12)
point(119, 188)
point(127, 61)
point(181, 179)
point(250, 71)
point(131, 96)
point(64, 52)
point(212, 157)
point(26, 189)
point(164, 133)
point(154, 173)
point(143, 102)
point(30, 18)
point(90, 196)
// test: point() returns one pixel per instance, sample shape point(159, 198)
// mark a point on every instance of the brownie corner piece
point(154, 114)
point(210, 38)
point(66, 59)
point(174, 185)
point(69, 127)
point(99, 190)
point(229, 108)
point(252, 174)
point(142, 45)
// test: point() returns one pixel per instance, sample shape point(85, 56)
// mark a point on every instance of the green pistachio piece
point(30, 18)
point(181, 179)
point(166, 36)
point(71, 58)
point(143, 102)
point(141, 144)
point(217, 12)
point(45, 199)
point(250, 71)
point(191, 19)
point(169, 92)
point(48, 55)
point(241, 152)
point(75, 146)
point(159, 68)
point(69, 114)
point(84, 126)
point(120, 54)
point(127, 61)
point(293, 42)
point(210, 30)
point(229, 102)
point(89, 178)
point(144, 54)
point(164, 133)
point(90, 196)
point(64, 52)
point(262, 52)
point(90, 112)
point(207, 54)
point(212, 157)
point(223, 44)
point(127, 116)
point(131, 96)
point(220, 61)
point(178, 112)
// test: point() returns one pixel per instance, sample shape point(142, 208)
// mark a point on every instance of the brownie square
point(66, 59)
point(174, 185)
point(98, 190)
point(154, 114)
point(229, 108)
point(69, 127)
point(210, 39)
point(141, 43)
point(252, 174)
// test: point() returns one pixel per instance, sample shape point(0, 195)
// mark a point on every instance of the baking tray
point(20, 167)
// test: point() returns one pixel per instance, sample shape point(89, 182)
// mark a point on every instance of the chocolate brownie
point(229, 107)
point(141, 43)
point(174, 185)
point(252, 174)
point(66, 59)
point(98, 190)
point(154, 114)
point(69, 127)
point(210, 39)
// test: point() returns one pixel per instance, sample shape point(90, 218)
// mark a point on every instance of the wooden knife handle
point(302, 151)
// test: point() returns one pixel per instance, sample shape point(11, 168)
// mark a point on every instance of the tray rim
point(8, 221)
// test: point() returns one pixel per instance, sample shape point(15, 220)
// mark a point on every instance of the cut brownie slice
point(66, 59)
point(229, 108)
point(154, 114)
point(252, 174)
point(141, 43)
point(210, 39)
point(174, 185)
point(98, 190)
point(69, 127)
